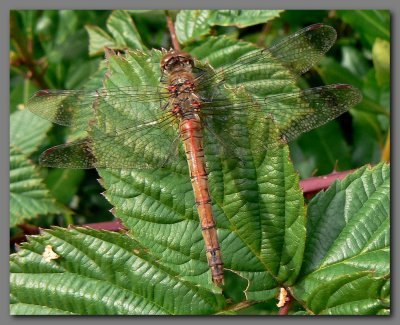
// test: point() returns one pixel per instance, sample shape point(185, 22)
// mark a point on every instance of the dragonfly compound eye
point(176, 60)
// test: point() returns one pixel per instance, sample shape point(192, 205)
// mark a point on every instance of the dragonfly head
point(175, 61)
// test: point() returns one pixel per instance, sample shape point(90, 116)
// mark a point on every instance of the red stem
point(172, 31)
point(313, 185)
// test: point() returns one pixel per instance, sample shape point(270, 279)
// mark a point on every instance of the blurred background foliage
point(64, 49)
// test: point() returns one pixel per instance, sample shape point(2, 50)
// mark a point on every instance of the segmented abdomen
point(191, 133)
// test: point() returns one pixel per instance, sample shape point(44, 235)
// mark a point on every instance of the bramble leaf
point(191, 25)
point(346, 268)
point(99, 273)
point(27, 131)
point(28, 195)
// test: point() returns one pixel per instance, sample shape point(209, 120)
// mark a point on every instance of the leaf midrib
point(344, 261)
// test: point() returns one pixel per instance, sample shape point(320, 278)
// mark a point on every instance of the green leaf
point(370, 24)
point(27, 131)
point(332, 71)
point(261, 220)
point(346, 264)
point(28, 195)
point(242, 18)
point(381, 59)
point(299, 18)
point(64, 183)
point(224, 50)
point(80, 71)
point(124, 31)
point(378, 97)
point(153, 27)
point(99, 273)
point(67, 25)
point(62, 37)
point(191, 24)
point(367, 138)
point(98, 40)
point(354, 60)
point(20, 91)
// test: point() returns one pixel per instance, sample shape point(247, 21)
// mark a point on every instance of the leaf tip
point(113, 211)
point(108, 52)
point(17, 247)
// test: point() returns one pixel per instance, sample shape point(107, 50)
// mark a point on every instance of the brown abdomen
point(191, 133)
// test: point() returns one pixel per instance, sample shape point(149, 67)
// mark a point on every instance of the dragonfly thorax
point(180, 83)
point(186, 107)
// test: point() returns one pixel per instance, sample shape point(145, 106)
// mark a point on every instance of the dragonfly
point(193, 108)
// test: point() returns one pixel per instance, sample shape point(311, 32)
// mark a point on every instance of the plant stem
point(24, 51)
point(313, 185)
point(172, 31)
point(27, 229)
point(264, 33)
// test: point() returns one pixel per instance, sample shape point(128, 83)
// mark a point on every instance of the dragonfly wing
point(292, 114)
point(65, 107)
point(300, 51)
point(78, 154)
point(75, 108)
point(275, 69)
point(235, 128)
point(143, 147)
point(302, 111)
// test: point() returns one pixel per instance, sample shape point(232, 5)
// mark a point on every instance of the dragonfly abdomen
point(191, 133)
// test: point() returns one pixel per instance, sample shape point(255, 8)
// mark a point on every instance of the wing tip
point(327, 29)
point(37, 94)
point(44, 157)
point(356, 94)
point(316, 26)
point(319, 26)
point(42, 92)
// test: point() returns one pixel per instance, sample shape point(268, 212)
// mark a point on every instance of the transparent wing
point(308, 109)
point(75, 108)
point(282, 63)
point(293, 114)
point(236, 131)
point(125, 128)
point(149, 146)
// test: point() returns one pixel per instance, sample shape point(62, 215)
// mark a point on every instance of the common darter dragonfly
point(196, 107)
